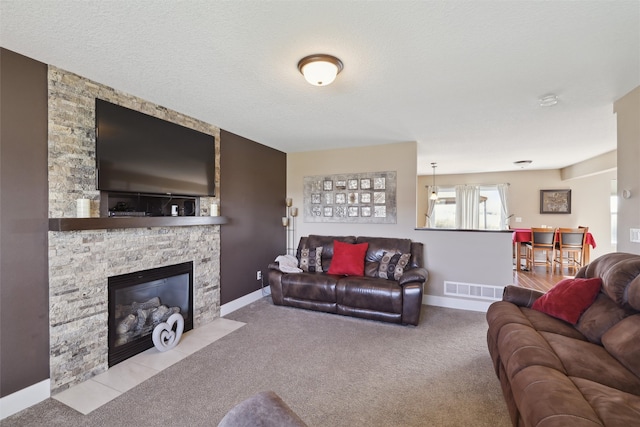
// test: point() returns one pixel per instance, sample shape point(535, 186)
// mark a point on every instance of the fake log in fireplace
point(141, 300)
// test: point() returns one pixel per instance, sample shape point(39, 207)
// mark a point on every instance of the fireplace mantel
point(74, 224)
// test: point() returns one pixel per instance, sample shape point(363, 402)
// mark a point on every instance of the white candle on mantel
point(215, 210)
point(83, 208)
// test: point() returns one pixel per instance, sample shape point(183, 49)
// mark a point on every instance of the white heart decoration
point(164, 337)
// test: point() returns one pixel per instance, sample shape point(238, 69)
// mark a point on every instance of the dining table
point(523, 235)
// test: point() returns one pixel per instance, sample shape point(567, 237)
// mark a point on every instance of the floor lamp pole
point(293, 211)
point(289, 222)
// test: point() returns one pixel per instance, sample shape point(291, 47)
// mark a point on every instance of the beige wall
point(627, 110)
point(589, 199)
point(399, 157)
point(485, 257)
point(449, 255)
point(463, 256)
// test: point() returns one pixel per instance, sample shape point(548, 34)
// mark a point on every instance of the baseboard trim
point(447, 302)
point(461, 304)
point(22, 399)
point(240, 302)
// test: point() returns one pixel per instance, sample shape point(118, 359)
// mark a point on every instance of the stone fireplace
point(140, 301)
point(81, 261)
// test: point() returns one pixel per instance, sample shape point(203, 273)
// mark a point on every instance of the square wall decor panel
point(367, 198)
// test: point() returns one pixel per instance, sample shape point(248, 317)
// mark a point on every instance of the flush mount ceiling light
point(320, 69)
point(522, 163)
point(548, 100)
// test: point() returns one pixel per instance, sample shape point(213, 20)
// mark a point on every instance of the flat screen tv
point(138, 153)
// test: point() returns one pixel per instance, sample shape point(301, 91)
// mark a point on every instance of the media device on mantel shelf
point(138, 153)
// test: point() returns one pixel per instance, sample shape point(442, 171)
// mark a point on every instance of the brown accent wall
point(24, 291)
point(252, 194)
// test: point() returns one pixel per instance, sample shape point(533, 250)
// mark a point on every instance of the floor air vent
point(472, 290)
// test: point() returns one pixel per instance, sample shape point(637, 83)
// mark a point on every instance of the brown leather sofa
point(554, 373)
point(368, 296)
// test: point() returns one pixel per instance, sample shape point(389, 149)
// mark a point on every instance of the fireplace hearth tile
point(101, 389)
point(125, 376)
point(199, 338)
point(87, 396)
point(154, 359)
point(215, 330)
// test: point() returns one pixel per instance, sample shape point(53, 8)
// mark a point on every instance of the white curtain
point(430, 221)
point(467, 203)
point(503, 191)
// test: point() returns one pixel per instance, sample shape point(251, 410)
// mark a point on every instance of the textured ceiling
point(462, 78)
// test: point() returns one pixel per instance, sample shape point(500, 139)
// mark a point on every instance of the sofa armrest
point(274, 277)
point(411, 303)
point(274, 266)
point(519, 296)
point(419, 274)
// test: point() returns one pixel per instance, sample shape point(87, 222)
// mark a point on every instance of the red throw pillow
point(348, 259)
point(569, 298)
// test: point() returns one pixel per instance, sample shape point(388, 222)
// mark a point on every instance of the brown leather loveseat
point(370, 296)
point(560, 373)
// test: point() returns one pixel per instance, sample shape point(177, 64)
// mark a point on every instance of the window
point(486, 214)
point(444, 213)
point(491, 217)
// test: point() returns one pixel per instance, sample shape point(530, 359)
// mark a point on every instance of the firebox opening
point(141, 300)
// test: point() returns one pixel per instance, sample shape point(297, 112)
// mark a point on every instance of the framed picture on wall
point(555, 201)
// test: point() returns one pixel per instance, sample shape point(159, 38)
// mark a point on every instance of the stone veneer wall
point(72, 139)
point(81, 261)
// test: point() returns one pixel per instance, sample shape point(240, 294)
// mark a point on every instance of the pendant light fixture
point(434, 193)
point(320, 69)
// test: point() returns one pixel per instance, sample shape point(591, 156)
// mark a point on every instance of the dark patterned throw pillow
point(392, 265)
point(311, 260)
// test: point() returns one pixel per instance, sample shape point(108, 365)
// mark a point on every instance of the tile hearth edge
point(101, 389)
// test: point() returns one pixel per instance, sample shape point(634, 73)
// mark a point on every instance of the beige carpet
point(332, 370)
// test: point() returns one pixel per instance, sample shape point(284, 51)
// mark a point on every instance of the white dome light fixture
point(522, 163)
point(320, 69)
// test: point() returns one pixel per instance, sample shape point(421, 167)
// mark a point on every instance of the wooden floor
point(539, 279)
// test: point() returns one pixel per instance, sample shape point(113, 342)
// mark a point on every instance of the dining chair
point(570, 248)
point(542, 240)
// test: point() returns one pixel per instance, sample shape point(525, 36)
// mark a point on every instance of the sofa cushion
point(311, 259)
point(371, 269)
point(546, 397)
point(314, 241)
point(544, 323)
point(620, 273)
point(521, 346)
point(623, 342)
point(392, 265)
point(569, 298)
point(348, 259)
point(599, 317)
point(622, 283)
point(614, 407)
point(593, 362)
point(379, 245)
point(368, 293)
point(309, 286)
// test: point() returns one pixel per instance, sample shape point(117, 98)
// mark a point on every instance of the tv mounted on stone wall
point(139, 153)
